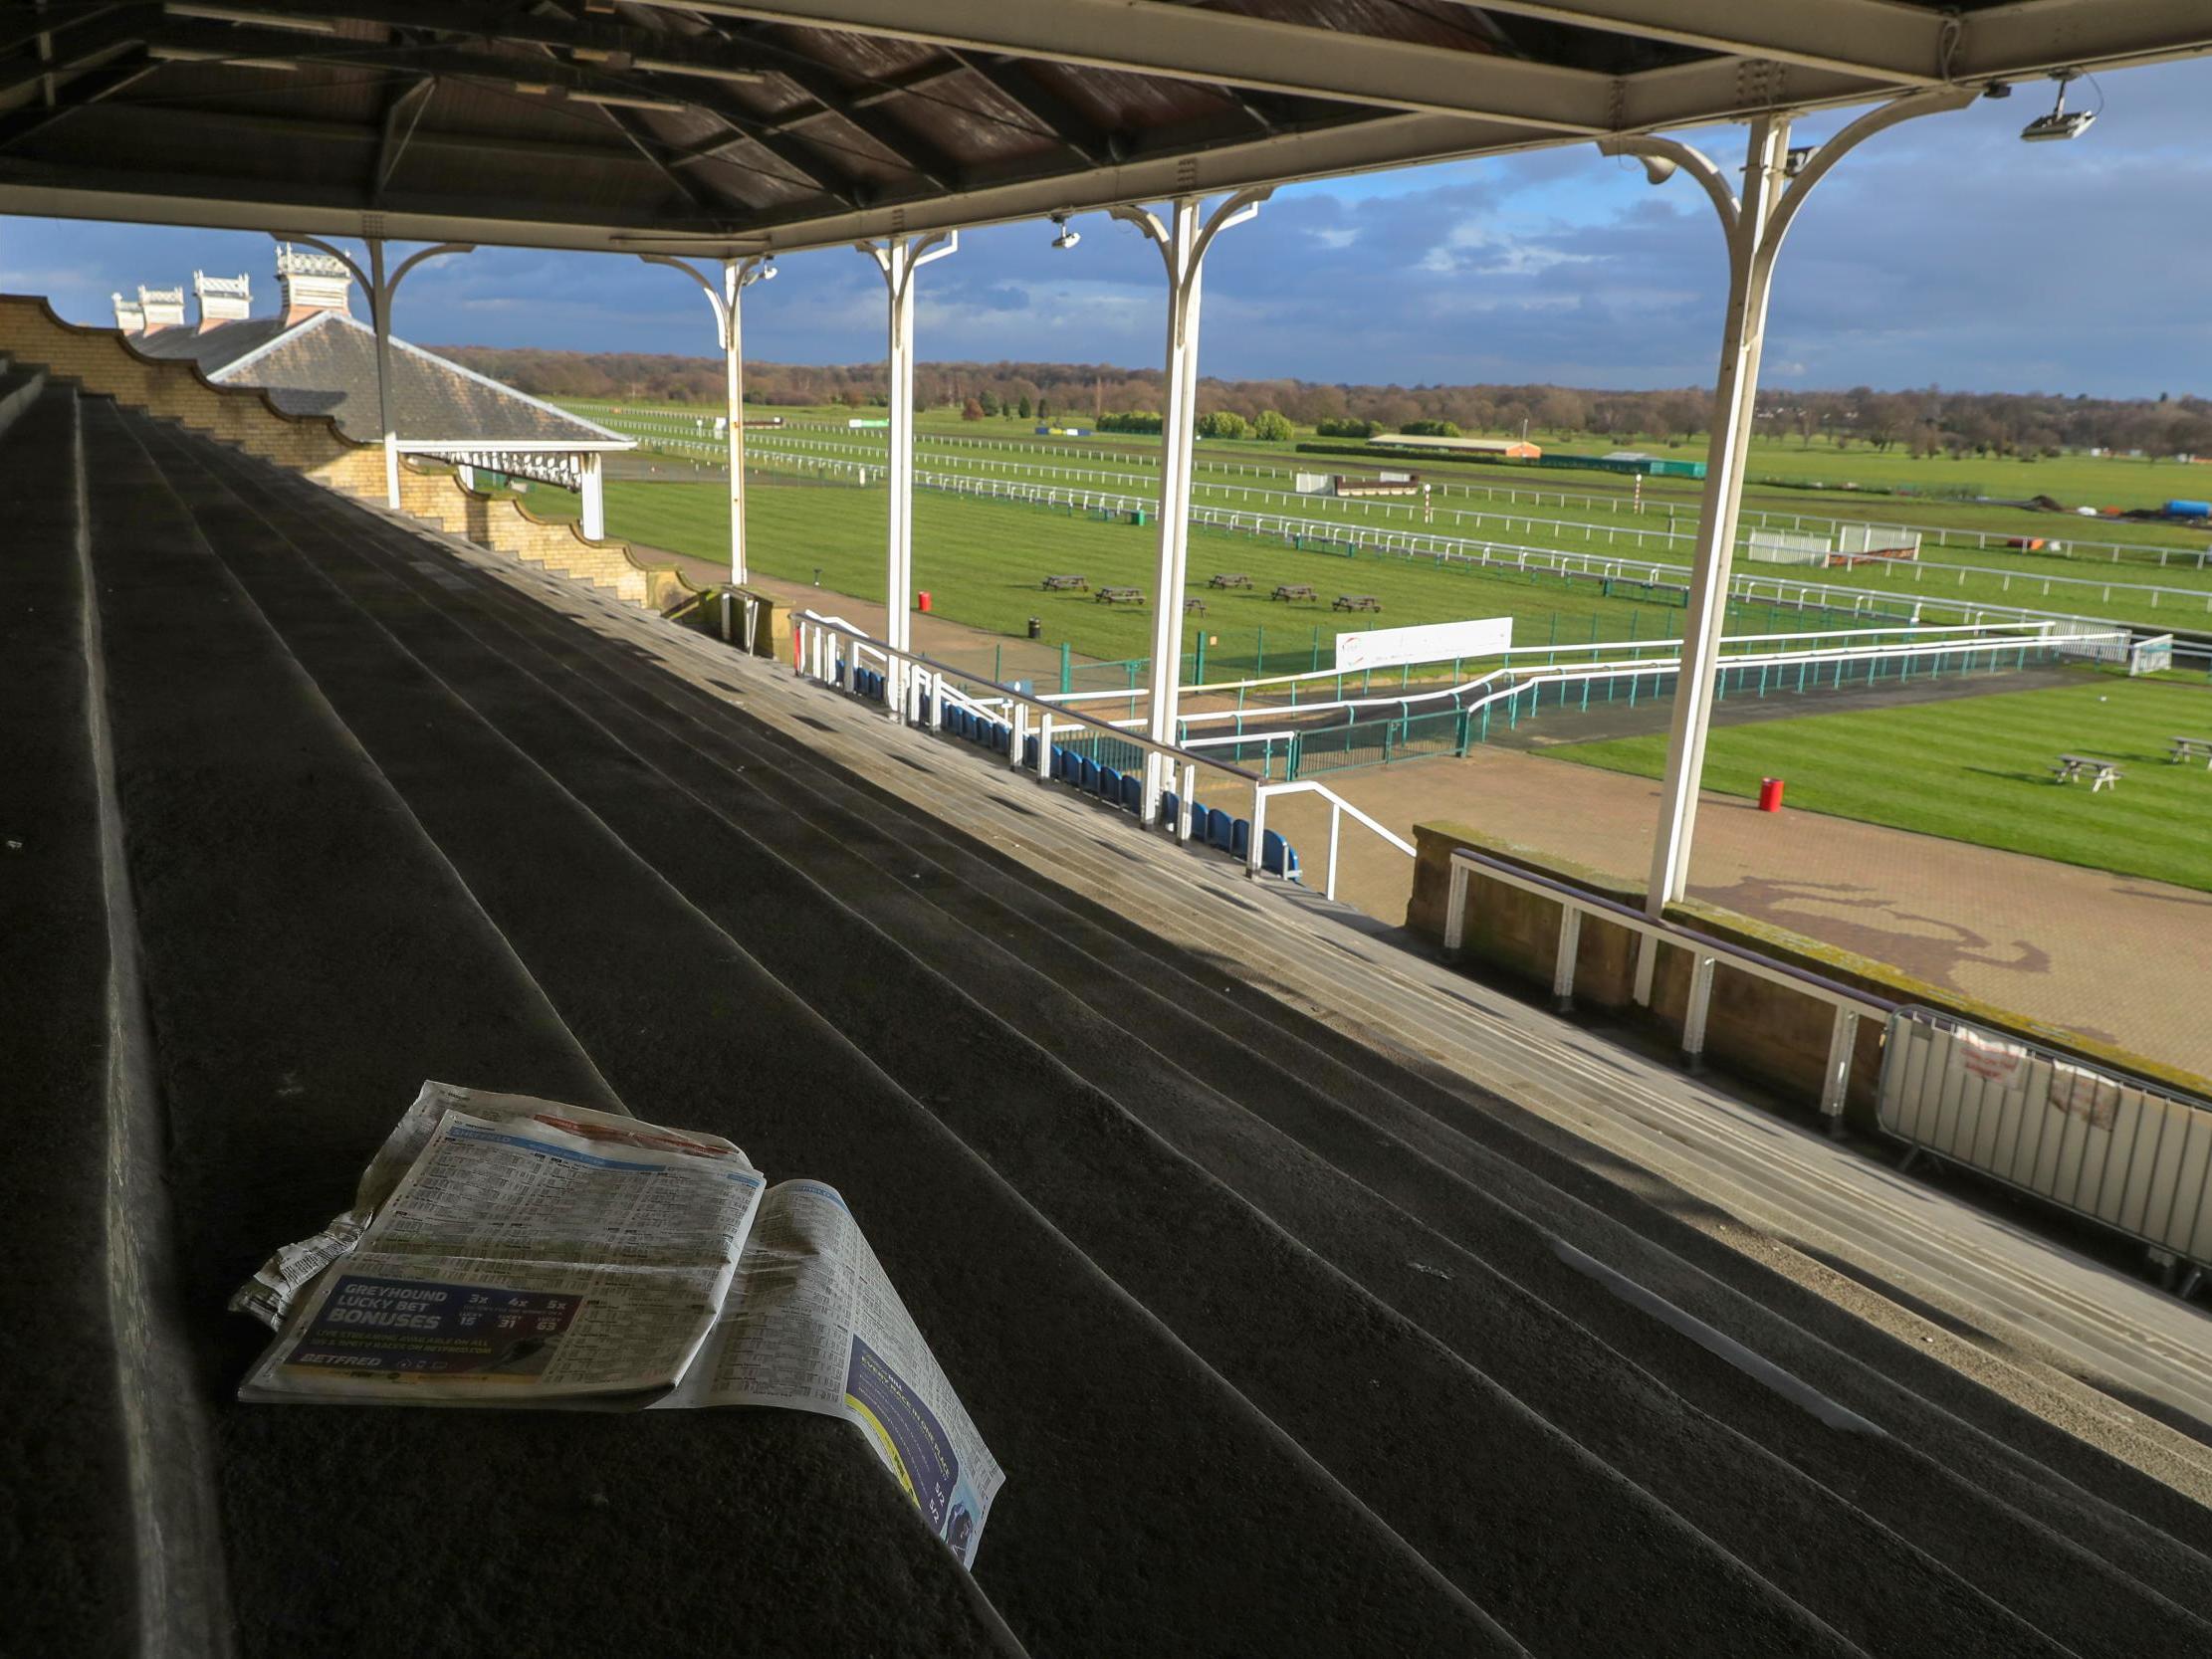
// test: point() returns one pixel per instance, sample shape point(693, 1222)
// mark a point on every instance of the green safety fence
point(1400, 736)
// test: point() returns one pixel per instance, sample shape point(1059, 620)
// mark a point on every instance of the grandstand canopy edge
point(637, 125)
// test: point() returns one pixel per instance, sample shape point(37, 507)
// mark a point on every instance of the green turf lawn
point(983, 562)
point(1978, 769)
point(2067, 586)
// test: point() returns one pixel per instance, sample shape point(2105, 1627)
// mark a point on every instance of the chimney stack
point(131, 317)
point(311, 282)
point(222, 299)
point(164, 307)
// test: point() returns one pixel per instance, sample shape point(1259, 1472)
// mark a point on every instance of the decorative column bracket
point(1183, 245)
point(380, 289)
point(739, 273)
point(897, 257)
point(1777, 181)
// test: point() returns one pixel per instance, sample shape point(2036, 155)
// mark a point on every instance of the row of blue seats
point(1212, 826)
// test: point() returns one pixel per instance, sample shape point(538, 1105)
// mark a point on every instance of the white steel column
point(738, 275)
point(591, 470)
point(1774, 189)
point(897, 257)
point(1183, 243)
point(380, 289)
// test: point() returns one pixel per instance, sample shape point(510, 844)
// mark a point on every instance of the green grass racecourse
point(983, 562)
point(1978, 769)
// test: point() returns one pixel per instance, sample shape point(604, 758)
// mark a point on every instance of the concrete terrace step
point(348, 960)
point(683, 734)
point(1293, 1339)
point(674, 1011)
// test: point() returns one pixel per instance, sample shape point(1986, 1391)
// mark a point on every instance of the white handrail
point(1338, 807)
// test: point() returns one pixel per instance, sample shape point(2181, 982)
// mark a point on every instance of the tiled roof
point(326, 366)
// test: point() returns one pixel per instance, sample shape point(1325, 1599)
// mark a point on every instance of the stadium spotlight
point(1796, 160)
point(1657, 168)
point(1066, 237)
point(2061, 123)
point(768, 270)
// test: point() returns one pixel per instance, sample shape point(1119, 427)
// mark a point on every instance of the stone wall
point(101, 361)
point(1756, 1028)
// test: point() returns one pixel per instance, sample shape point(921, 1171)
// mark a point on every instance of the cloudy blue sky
point(1943, 252)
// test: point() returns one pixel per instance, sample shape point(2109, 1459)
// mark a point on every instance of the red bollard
point(1770, 794)
point(922, 601)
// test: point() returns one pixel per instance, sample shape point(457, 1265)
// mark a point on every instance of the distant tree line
point(1921, 423)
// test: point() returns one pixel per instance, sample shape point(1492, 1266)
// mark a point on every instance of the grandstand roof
point(326, 366)
point(647, 124)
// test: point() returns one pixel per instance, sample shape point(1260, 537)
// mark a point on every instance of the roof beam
point(1880, 39)
point(459, 61)
point(1056, 118)
point(1184, 42)
point(79, 93)
point(402, 114)
point(123, 26)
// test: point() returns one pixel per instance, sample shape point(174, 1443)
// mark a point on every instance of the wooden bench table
point(1119, 596)
point(1194, 607)
point(2103, 774)
point(1061, 584)
point(2191, 748)
point(1357, 602)
point(1229, 578)
point(1289, 592)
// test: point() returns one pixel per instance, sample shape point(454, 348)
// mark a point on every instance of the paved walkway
point(2110, 957)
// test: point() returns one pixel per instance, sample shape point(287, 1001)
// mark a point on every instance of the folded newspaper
point(509, 1251)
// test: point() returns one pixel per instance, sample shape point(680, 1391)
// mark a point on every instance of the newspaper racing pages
point(814, 1325)
point(509, 1251)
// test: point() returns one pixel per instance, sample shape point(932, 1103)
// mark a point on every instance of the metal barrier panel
point(2134, 1157)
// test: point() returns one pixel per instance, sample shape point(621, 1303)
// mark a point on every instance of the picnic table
point(2103, 774)
point(1194, 607)
point(1229, 578)
point(2191, 748)
point(1061, 584)
point(1295, 591)
point(1357, 602)
point(1119, 596)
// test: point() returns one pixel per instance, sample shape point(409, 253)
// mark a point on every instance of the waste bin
point(1036, 628)
point(1137, 517)
point(1770, 794)
point(922, 601)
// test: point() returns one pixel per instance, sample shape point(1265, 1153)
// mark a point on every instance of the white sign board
point(1432, 642)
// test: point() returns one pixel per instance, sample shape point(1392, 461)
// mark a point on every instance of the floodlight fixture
point(1798, 159)
point(1657, 168)
point(1066, 237)
point(2061, 123)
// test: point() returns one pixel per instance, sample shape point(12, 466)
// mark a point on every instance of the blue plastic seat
point(1170, 804)
point(1275, 856)
point(1087, 778)
point(1132, 791)
point(1030, 752)
point(1109, 784)
point(837, 671)
point(1002, 738)
point(1217, 828)
point(1241, 838)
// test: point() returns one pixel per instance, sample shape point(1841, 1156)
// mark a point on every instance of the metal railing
point(1707, 956)
point(834, 651)
point(2127, 1155)
point(1338, 811)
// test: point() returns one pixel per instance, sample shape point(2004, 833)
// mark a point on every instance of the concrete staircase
point(1295, 1336)
point(100, 360)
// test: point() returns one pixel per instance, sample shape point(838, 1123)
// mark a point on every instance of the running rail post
point(1183, 243)
point(1774, 188)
